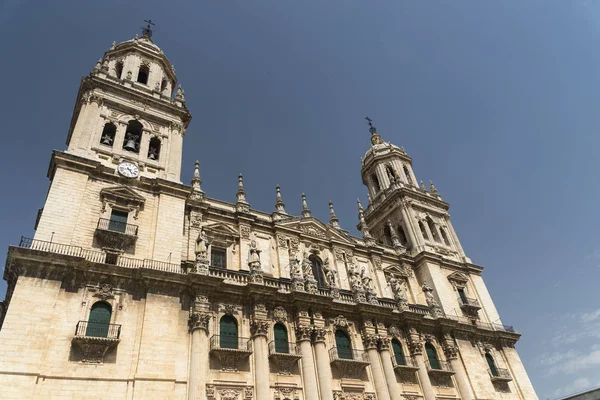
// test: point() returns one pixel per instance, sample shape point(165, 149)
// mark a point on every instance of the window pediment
point(221, 235)
point(457, 278)
point(122, 196)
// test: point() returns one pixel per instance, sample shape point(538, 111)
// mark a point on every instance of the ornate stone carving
point(320, 334)
point(280, 314)
point(248, 392)
point(377, 262)
point(370, 341)
point(449, 347)
point(245, 231)
point(339, 253)
point(394, 331)
point(414, 342)
point(294, 243)
point(229, 309)
point(105, 292)
point(303, 332)
point(93, 348)
point(384, 343)
point(312, 231)
point(260, 327)
point(210, 392)
point(282, 241)
point(229, 394)
point(356, 283)
point(198, 320)
point(256, 273)
point(195, 219)
point(286, 393)
point(296, 274)
point(341, 322)
point(230, 358)
point(435, 308)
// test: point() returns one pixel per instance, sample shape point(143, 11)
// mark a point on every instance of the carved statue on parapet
point(296, 274)
point(356, 283)
point(399, 292)
point(436, 310)
point(331, 277)
point(367, 283)
point(310, 283)
point(256, 273)
point(201, 250)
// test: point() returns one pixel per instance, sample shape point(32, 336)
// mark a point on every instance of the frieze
point(280, 314)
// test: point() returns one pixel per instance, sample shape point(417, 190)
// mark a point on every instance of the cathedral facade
point(137, 286)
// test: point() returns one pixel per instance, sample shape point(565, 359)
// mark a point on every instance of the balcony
point(230, 350)
point(500, 375)
point(469, 304)
point(350, 362)
point(284, 355)
point(95, 339)
point(115, 235)
point(404, 364)
point(439, 367)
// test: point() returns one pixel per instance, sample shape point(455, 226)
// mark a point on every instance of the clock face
point(128, 170)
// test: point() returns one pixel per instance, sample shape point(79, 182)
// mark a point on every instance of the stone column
point(460, 375)
point(260, 328)
point(309, 379)
point(415, 345)
point(370, 342)
point(198, 327)
point(323, 365)
point(388, 369)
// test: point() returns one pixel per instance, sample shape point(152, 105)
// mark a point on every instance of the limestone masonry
point(137, 286)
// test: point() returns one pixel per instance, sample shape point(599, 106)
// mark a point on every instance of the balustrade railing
point(418, 309)
point(230, 276)
point(404, 362)
point(231, 342)
point(97, 329)
point(438, 365)
point(117, 226)
point(346, 353)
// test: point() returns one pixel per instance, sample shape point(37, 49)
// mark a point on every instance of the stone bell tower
point(401, 213)
point(117, 185)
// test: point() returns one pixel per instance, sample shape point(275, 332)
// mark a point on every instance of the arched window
point(402, 236)
point(391, 173)
point(407, 174)
point(99, 320)
point(143, 74)
point(444, 236)
point(108, 134)
point(398, 353)
point(433, 229)
point(317, 270)
point(119, 69)
point(154, 148)
point(163, 85)
point(281, 339)
point(434, 361)
point(133, 134)
point(228, 331)
point(343, 345)
point(491, 364)
point(376, 184)
point(423, 230)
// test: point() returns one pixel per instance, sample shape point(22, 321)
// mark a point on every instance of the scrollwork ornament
point(229, 394)
point(260, 327)
point(303, 333)
point(320, 334)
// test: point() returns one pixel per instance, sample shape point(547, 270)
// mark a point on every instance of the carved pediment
point(399, 270)
point(312, 227)
point(122, 193)
point(458, 278)
point(221, 234)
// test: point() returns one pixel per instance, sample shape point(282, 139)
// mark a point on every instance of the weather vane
point(147, 30)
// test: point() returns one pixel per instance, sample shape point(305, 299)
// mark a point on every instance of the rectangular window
point(462, 295)
point(118, 221)
point(218, 258)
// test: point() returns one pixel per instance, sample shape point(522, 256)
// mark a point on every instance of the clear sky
point(496, 102)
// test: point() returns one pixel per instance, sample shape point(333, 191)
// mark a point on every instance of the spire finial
point(375, 138)
point(333, 219)
point(242, 204)
point(197, 193)
point(305, 209)
point(147, 30)
point(362, 225)
point(279, 206)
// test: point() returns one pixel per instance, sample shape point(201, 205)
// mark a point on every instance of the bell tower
point(116, 188)
point(125, 112)
point(401, 213)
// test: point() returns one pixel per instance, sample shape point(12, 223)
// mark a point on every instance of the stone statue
point(253, 253)
point(436, 310)
point(355, 279)
point(201, 250)
point(201, 244)
point(329, 273)
point(307, 266)
point(296, 273)
point(399, 292)
point(366, 280)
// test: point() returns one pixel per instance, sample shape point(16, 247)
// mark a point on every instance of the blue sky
point(497, 103)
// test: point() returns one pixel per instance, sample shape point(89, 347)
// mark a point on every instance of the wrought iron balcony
point(468, 303)
point(439, 367)
point(95, 339)
point(284, 355)
point(230, 350)
point(500, 375)
point(404, 364)
point(115, 234)
point(350, 362)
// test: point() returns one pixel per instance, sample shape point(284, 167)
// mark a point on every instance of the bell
point(106, 139)
point(130, 145)
point(152, 154)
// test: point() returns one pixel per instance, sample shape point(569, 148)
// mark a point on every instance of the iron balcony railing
point(98, 329)
point(117, 226)
point(500, 374)
point(438, 365)
point(404, 362)
point(281, 347)
point(468, 302)
point(340, 354)
point(230, 342)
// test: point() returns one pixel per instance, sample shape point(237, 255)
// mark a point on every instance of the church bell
point(130, 145)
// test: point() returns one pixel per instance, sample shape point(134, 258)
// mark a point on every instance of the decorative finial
point(423, 186)
point(362, 225)
point(375, 138)
point(147, 30)
point(242, 204)
point(279, 206)
point(114, 44)
point(197, 193)
point(393, 235)
point(180, 94)
point(432, 188)
point(305, 209)
point(333, 219)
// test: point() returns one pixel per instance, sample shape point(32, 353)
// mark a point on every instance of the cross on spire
point(147, 30)
point(372, 129)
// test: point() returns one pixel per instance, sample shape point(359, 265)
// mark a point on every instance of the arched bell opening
point(133, 135)
point(108, 134)
point(143, 74)
point(154, 149)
